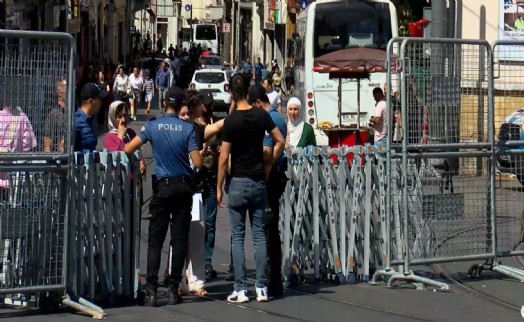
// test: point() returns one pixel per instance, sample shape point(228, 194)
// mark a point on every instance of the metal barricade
point(443, 201)
point(34, 180)
point(105, 228)
point(509, 158)
point(333, 220)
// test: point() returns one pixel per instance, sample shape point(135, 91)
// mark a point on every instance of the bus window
point(366, 24)
point(205, 32)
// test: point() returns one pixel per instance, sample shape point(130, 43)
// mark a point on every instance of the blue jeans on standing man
point(211, 222)
point(248, 197)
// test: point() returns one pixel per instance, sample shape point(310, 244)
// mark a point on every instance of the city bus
point(329, 25)
point(202, 33)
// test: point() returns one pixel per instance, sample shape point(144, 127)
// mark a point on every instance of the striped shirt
point(149, 85)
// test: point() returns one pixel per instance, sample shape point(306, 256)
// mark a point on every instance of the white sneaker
point(262, 294)
point(238, 297)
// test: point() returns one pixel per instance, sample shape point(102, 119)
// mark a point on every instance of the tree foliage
point(409, 11)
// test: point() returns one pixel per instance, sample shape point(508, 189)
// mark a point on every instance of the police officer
point(172, 141)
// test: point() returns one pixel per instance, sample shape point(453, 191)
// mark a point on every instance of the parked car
point(511, 131)
point(216, 82)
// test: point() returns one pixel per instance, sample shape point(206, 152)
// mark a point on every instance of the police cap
point(90, 91)
point(175, 95)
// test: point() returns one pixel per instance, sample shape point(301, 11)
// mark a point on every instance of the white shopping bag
point(197, 213)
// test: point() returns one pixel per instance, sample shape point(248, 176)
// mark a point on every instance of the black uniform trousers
point(276, 186)
point(170, 208)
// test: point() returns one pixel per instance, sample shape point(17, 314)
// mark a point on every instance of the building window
point(165, 8)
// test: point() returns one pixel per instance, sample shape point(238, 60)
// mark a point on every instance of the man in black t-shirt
point(243, 134)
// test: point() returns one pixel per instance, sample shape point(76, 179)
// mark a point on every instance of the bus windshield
point(351, 24)
point(205, 32)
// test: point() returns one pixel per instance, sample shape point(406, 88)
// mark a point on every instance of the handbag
point(122, 94)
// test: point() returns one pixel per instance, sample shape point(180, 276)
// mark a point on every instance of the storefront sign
point(511, 27)
point(269, 14)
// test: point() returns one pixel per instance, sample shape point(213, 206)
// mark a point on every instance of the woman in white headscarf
point(300, 134)
point(119, 134)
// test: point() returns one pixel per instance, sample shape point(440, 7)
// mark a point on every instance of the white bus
point(330, 25)
point(204, 34)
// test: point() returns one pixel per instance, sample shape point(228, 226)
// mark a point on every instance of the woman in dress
point(104, 87)
point(121, 86)
point(300, 133)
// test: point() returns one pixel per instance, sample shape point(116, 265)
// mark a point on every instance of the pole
point(191, 23)
point(237, 33)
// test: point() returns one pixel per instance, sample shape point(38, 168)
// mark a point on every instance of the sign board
point(226, 27)
point(511, 27)
point(188, 7)
point(132, 29)
point(303, 4)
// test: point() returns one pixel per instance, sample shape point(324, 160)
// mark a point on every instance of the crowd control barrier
point(332, 213)
point(101, 233)
point(69, 223)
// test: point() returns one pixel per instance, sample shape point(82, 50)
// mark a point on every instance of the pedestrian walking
point(136, 82)
point(276, 185)
point(173, 143)
point(244, 132)
point(289, 77)
point(106, 90)
point(149, 89)
point(121, 85)
point(258, 71)
point(163, 82)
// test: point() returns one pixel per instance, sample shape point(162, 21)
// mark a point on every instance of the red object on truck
point(348, 138)
point(416, 28)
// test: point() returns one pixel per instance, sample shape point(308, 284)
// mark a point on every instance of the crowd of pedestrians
point(195, 154)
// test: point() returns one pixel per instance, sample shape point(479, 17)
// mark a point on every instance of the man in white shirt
point(379, 117)
point(274, 96)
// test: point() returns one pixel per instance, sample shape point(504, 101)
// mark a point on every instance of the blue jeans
point(247, 196)
point(211, 222)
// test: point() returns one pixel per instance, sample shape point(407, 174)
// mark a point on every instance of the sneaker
point(262, 294)
point(238, 297)
point(150, 295)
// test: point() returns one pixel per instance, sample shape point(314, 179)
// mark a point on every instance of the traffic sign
point(188, 7)
point(226, 27)
point(303, 4)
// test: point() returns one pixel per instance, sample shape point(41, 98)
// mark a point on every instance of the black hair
point(192, 100)
point(378, 90)
point(269, 80)
point(239, 86)
point(174, 106)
